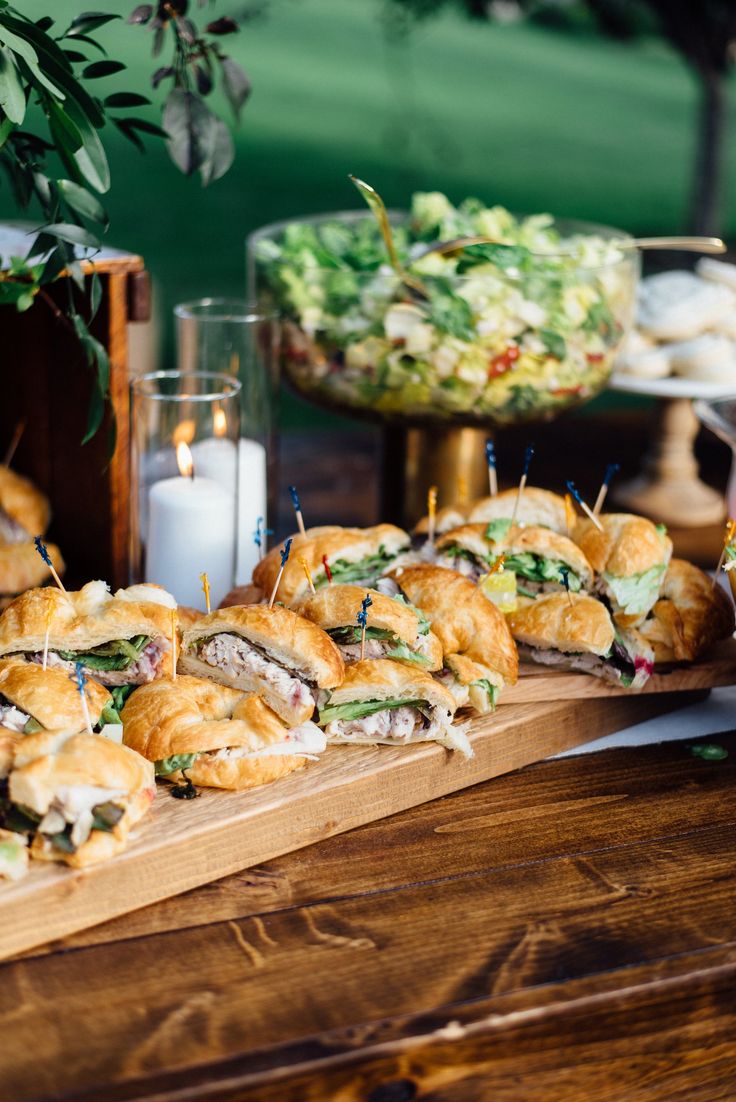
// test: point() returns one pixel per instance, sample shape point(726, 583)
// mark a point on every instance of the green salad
point(501, 331)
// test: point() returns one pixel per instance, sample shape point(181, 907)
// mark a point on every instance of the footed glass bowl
point(496, 335)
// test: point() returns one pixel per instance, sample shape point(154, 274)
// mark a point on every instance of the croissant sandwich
point(579, 634)
point(270, 651)
point(358, 555)
point(215, 735)
point(387, 702)
point(76, 796)
point(540, 507)
point(394, 628)
point(630, 557)
point(33, 699)
point(479, 654)
point(690, 616)
point(120, 640)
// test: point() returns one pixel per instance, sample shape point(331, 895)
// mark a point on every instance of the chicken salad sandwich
point(120, 640)
point(75, 797)
point(629, 555)
point(214, 735)
point(578, 633)
point(391, 703)
point(394, 628)
point(274, 652)
point(352, 555)
point(479, 653)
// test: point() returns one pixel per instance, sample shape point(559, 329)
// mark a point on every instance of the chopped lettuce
point(116, 655)
point(424, 623)
point(365, 570)
point(636, 594)
point(109, 714)
point(357, 709)
point(351, 633)
point(498, 529)
point(537, 568)
point(492, 690)
point(403, 653)
point(170, 765)
point(455, 552)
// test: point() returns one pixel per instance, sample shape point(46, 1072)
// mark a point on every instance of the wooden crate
point(46, 383)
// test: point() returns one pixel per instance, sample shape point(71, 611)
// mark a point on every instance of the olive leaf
point(12, 96)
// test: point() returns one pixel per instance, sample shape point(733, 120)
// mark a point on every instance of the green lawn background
point(520, 115)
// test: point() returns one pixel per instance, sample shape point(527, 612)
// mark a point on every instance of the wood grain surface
point(561, 934)
point(185, 843)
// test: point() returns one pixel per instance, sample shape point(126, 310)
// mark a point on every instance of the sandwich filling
point(235, 656)
point(70, 817)
point(13, 719)
point(304, 741)
point(461, 691)
point(396, 722)
point(540, 574)
point(463, 561)
point(120, 662)
point(636, 594)
point(364, 572)
point(383, 643)
point(13, 855)
point(621, 666)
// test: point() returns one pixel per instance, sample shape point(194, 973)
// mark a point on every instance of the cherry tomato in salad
point(503, 362)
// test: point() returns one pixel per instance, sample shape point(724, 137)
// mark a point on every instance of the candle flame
point(184, 460)
point(219, 421)
point(184, 432)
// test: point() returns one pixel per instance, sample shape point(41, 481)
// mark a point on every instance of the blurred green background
point(519, 114)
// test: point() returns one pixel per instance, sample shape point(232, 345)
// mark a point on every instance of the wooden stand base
point(669, 489)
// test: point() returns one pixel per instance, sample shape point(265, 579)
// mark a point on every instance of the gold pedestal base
point(452, 459)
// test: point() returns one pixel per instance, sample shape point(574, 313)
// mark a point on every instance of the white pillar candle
point(191, 528)
point(213, 459)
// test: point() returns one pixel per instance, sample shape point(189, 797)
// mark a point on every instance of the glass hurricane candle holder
point(224, 335)
point(184, 520)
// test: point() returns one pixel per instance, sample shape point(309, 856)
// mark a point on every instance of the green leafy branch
point(51, 71)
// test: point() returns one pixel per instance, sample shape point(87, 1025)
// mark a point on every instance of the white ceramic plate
point(671, 387)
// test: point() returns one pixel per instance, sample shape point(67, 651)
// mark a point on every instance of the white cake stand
point(668, 488)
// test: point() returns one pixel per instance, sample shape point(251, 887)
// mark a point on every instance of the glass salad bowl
point(493, 334)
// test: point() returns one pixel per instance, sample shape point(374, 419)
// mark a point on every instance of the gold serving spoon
point(684, 244)
point(378, 209)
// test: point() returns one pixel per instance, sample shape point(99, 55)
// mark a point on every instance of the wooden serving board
point(543, 683)
point(182, 844)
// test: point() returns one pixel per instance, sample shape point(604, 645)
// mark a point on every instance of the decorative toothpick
point(586, 508)
point(20, 428)
point(206, 590)
point(307, 573)
point(497, 565)
point(80, 679)
point(730, 532)
point(174, 641)
point(365, 604)
point(528, 455)
point(43, 552)
point(328, 572)
point(491, 461)
point(259, 537)
point(611, 470)
point(297, 508)
point(571, 517)
point(431, 513)
point(49, 615)
point(285, 552)
point(566, 582)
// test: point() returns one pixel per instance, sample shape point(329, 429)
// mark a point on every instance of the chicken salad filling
point(236, 657)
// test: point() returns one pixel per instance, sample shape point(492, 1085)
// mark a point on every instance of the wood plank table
point(565, 932)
